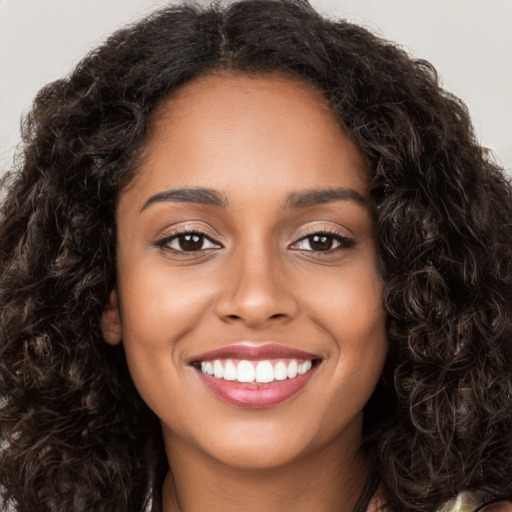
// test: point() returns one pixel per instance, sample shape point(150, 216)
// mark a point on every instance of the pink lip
point(254, 396)
point(252, 352)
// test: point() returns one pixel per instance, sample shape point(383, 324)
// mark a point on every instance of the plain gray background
point(468, 41)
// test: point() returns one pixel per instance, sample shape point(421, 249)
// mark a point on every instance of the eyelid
point(346, 242)
point(322, 229)
point(169, 235)
point(315, 230)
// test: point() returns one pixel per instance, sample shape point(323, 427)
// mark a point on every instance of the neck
point(329, 480)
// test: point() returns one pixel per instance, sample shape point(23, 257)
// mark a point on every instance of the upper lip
point(254, 352)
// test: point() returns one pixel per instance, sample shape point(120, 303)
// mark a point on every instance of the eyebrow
point(304, 199)
point(198, 195)
point(211, 197)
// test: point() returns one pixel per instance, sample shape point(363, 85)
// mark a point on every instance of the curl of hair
point(75, 435)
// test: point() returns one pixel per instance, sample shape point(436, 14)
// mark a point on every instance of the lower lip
point(254, 396)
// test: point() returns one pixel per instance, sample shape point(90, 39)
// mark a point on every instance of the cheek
point(159, 309)
point(349, 308)
point(348, 303)
point(159, 306)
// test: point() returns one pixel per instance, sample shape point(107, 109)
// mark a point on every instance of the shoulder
point(497, 506)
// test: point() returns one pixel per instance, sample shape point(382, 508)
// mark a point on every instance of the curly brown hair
point(74, 433)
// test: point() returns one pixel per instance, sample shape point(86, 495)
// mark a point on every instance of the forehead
point(225, 130)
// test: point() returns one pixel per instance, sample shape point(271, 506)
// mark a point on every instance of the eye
point(324, 242)
point(187, 241)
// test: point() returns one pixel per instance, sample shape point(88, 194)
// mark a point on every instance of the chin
point(253, 454)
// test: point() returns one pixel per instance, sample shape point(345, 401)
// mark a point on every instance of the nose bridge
point(255, 289)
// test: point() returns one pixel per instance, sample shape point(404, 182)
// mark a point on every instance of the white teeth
point(218, 370)
point(280, 371)
point(251, 371)
point(264, 372)
point(304, 367)
point(292, 369)
point(230, 371)
point(245, 372)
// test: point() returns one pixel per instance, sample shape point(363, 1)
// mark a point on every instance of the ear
point(111, 321)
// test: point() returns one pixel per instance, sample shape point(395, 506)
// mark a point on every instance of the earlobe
point(111, 321)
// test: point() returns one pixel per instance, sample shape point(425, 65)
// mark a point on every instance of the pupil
point(191, 242)
point(321, 242)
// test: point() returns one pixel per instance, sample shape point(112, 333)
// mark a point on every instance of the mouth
point(256, 372)
point(255, 377)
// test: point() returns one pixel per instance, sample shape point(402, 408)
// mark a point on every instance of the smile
point(260, 372)
point(253, 377)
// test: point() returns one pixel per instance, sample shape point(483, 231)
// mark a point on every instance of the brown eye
point(187, 242)
point(320, 242)
point(324, 242)
point(190, 242)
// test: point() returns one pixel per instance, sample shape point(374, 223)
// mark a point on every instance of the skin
point(255, 140)
point(503, 506)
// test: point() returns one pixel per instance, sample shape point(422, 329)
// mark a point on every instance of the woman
point(254, 260)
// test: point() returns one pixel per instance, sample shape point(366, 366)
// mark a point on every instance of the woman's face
point(248, 232)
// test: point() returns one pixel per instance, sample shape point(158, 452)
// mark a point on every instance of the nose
point(255, 291)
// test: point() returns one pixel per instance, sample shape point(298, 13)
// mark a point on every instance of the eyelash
point(345, 243)
point(169, 237)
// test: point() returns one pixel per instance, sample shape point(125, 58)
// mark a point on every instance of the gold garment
point(466, 502)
